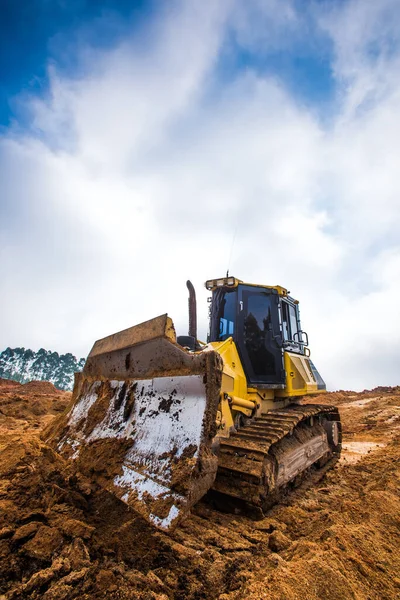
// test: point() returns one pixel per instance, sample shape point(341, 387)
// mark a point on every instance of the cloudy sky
point(143, 143)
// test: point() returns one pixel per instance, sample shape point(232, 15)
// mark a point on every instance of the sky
point(146, 143)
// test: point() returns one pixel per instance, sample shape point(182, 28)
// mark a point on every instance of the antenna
point(231, 250)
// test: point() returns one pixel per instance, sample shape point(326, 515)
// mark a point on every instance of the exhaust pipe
point(192, 311)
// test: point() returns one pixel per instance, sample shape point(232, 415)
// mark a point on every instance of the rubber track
point(242, 456)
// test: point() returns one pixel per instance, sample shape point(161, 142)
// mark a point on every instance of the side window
point(227, 316)
point(285, 322)
point(293, 322)
point(226, 328)
point(289, 323)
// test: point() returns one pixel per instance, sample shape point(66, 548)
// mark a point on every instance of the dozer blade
point(142, 421)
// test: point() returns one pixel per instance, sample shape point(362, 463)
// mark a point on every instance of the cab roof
point(232, 282)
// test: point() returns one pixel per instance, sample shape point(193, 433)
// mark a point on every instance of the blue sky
point(34, 34)
point(137, 137)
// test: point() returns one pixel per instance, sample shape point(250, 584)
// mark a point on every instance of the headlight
point(224, 281)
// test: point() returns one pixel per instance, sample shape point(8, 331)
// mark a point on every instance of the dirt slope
point(337, 539)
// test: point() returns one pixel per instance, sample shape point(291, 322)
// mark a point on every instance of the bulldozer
point(160, 421)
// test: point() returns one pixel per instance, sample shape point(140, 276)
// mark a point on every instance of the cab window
point(285, 322)
point(257, 331)
point(289, 322)
point(293, 321)
point(227, 316)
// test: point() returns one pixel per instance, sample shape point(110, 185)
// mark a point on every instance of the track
point(262, 458)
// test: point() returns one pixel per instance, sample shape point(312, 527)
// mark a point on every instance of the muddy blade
point(145, 439)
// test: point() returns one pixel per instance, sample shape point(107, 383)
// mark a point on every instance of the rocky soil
point(335, 537)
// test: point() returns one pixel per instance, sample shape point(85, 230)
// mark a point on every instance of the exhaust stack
point(192, 311)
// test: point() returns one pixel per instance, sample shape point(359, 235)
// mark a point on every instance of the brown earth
point(337, 537)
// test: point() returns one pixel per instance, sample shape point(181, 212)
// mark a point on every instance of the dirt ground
point(333, 538)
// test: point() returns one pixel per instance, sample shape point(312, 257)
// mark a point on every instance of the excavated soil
point(337, 536)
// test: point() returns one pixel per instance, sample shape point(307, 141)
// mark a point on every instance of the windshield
point(257, 327)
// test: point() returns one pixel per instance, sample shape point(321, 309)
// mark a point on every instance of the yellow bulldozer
point(160, 420)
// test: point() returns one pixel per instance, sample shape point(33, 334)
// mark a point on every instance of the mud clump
point(63, 537)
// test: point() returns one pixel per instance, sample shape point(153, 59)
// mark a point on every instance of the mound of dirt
point(337, 537)
point(31, 405)
point(9, 383)
point(41, 387)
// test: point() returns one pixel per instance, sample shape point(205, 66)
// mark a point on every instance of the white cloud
point(136, 176)
point(366, 37)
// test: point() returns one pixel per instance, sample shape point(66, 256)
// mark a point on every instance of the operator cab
point(263, 322)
